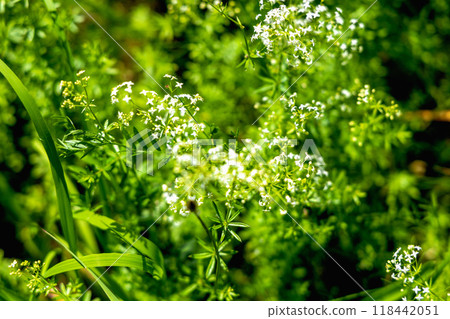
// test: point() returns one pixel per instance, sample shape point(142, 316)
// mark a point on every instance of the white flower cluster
point(296, 29)
point(128, 89)
point(256, 171)
point(303, 112)
point(404, 267)
point(366, 96)
point(169, 116)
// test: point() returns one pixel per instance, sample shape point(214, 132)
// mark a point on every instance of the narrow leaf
point(102, 260)
point(65, 210)
point(211, 265)
point(97, 278)
point(144, 246)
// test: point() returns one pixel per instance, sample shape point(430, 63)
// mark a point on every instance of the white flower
point(160, 107)
point(404, 299)
point(171, 199)
point(170, 76)
point(419, 297)
point(416, 289)
point(128, 89)
point(179, 85)
point(13, 264)
point(126, 98)
point(144, 92)
point(397, 251)
point(426, 290)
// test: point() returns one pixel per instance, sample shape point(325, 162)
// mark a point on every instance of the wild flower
point(295, 29)
point(39, 285)
point(32, 273)
point(74, 93)
point(171, 115)
point(302, 113)
point(405, 267)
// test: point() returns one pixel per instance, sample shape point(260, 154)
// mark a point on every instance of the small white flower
point(144, 92)
point(126, 98)
point(426, 290)
point(416, 289)
point(179, 85)
point(419, 297)
point(129, 89)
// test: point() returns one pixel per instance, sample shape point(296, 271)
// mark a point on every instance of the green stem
point(216, 250)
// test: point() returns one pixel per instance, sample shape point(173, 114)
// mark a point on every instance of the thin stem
point(216, 250)
point(90, 109)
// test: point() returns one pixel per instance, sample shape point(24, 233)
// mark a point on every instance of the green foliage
point(371, 93)
point(49, 145)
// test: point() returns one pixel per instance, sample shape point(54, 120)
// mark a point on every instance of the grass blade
point(65, 210)
point(98, 279)
point(144, 246)
point(102, 260)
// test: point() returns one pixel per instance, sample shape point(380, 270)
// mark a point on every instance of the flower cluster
point(245, 172)
point(74, 93)
point(39, 285)
point(366, 96)
point(169, 116)
point(32, 272)
point(374, 115)
point(303, 112)
point(404, 266)
point(296, 29)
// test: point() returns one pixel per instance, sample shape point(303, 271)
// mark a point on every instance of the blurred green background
point(406, 188)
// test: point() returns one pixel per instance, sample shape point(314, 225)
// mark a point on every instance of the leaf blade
point(101, 260)
point(62, 192)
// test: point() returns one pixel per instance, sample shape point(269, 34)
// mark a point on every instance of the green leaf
point(97, 278)
point(102, 260)
point(235, 235)
point(201, 255)
point(205, 246)
point(65, 210)
point(238, 224)
point(143, 245)
point(234, 215)
point(211, 265)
